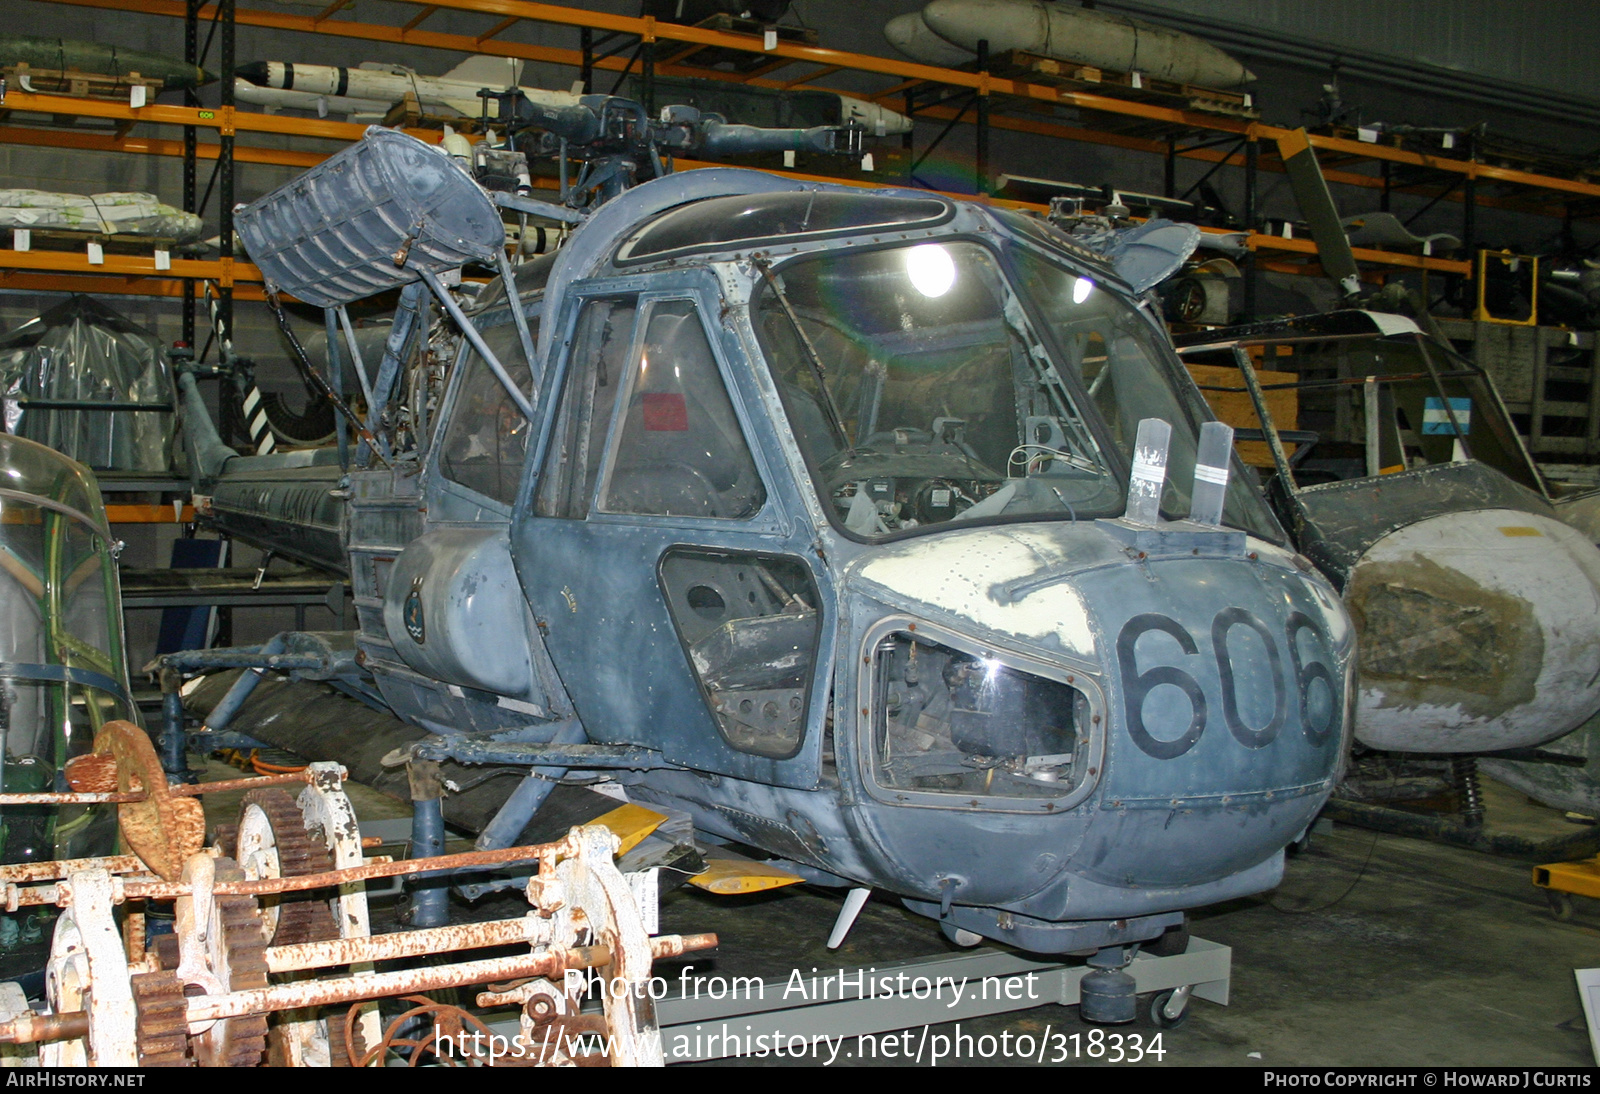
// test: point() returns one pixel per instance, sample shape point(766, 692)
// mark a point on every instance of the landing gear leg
point(1107, 995)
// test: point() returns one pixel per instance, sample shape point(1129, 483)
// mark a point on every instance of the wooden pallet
point(76, 84)
point(1136, 87)
point(698, 56)
point(408, 112)
point(64, 239)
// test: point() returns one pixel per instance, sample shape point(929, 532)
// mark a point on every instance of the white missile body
point(366, 93)
point(947, 32)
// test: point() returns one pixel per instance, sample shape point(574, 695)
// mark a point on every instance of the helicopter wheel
point(1169, 944)
point(1153, 1009)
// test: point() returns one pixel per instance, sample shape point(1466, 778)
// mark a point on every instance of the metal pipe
point(1579, 845)
point(21, 872)
point(88, 404)
point(472, 336)
point(388, 947)
point(1444, 398)
point(140, 889)
point(288, 778)
point(223, 712)
point(523, 334)
point(72, 798)
point(173, 741)
point(355, 354)
point(207, 453)
point(430, 903)
point(507, 824)
point(330, 325)
point(33, 1028)
point(317, 993)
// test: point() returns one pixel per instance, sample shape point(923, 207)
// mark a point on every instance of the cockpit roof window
point(720, 223)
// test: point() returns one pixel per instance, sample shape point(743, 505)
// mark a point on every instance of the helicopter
point(1471, 587)
point(872, 529)
point(64, 673)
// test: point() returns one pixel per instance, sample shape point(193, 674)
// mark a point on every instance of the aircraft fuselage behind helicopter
point(816, 532)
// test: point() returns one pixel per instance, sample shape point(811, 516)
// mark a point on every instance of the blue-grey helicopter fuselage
point(819, 516)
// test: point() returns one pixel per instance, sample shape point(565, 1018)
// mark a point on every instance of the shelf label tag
point(788, 157)
point(769, 40)
point(866, 162)
point(21, 239)
point(163, 260)
point(97, 255)
point(136, 96)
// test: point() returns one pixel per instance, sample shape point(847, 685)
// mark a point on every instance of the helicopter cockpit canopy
point(946, 379)
point(62, 668)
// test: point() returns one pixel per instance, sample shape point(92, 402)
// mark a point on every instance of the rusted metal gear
point(284, 849)
point(164, 829)
point(163, 1028)
point(236, 947)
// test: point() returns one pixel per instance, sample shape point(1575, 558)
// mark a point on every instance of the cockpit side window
point(486, 439)
point(601, 350)
point(678, 450)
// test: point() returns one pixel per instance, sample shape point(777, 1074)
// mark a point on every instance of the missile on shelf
point(366, 93)
point(97, 58)
point(947, 32)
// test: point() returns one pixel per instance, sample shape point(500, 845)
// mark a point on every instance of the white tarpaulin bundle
point(113, 214)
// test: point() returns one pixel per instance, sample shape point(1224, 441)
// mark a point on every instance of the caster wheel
point(1560, 904)
point(1153, 1010)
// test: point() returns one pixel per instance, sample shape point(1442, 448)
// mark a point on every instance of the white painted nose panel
point(1476, 631)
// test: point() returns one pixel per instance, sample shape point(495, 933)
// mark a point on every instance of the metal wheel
point(330, 820)
point(1560, 902)
point(88, 970)
point(272, 841)
point(1155, 1008)
point(233, 946)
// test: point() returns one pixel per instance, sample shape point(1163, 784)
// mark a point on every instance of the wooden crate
point(1236, 409)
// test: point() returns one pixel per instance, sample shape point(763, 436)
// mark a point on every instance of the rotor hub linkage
point(302, 975)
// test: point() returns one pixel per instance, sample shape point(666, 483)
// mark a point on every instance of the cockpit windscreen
point(921, 394)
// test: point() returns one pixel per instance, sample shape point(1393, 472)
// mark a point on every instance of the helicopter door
point(652, 556)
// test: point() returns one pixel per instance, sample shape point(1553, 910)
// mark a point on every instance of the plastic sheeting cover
point(112, 213)
point(82, 350)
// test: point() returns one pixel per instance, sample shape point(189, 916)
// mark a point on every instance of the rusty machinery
point(272, 958)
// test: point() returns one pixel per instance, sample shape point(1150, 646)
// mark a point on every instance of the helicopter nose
point(1476, 632)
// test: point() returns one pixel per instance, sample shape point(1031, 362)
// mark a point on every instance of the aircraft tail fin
point(496, 72)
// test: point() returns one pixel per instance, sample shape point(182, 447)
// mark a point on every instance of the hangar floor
point(1377, 950)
